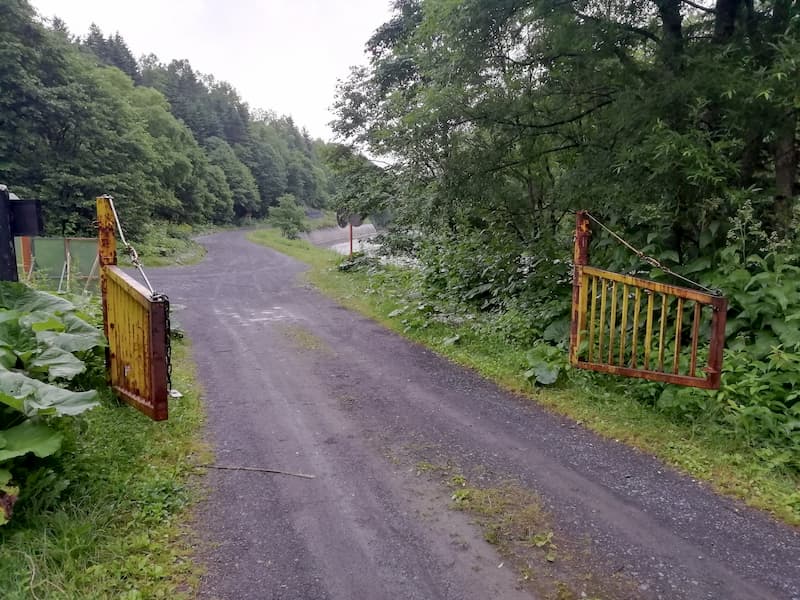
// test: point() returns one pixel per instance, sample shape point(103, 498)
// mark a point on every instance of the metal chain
point(652, 261)
point(163, 298)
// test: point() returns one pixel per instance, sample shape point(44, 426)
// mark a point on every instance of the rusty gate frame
point(581, 307)
point(135, 322)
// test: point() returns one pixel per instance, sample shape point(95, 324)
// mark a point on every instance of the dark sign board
point(26, 218)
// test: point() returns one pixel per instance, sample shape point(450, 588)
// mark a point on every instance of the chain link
point(164, 299)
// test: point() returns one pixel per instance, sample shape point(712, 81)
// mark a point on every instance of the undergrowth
point(105, 517)
point(167, 244)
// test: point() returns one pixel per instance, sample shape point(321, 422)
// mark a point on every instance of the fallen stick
point(258, 470)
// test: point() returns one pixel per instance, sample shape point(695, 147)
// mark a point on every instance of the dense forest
point(674, 122)
point(81, 116)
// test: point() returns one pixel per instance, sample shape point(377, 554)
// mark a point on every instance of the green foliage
point(82, 118)
point(676, 127)
point(42, 337)
point(288, 216)
point(166, 243)
point(362, 188)
point(105, 513)
point(246, 200)
point(546, 364)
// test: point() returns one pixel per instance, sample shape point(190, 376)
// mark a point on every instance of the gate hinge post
point(106, 256)
point(106, 234)
point(580, 259)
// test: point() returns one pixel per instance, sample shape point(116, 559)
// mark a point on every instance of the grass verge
point(118, 530)
point(706, 453)
point(168, 244)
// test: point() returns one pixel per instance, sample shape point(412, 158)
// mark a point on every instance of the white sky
point(283, 55)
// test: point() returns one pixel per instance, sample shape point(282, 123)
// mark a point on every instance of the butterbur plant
point(546, 364)
point(45, 346)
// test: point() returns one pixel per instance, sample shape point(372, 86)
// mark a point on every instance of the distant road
point(337, 235)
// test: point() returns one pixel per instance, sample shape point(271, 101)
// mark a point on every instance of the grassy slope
point(703, 452)
point(119, 531)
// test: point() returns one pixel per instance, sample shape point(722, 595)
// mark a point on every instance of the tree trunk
point(725, 23)
point(785, 155)
point(672, 40)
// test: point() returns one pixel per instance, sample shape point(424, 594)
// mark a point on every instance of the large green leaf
point(74, 324)
point(30, 437)
point(21, 340)
point(17, 296)
point(71, 342)
point(33, 397)
point(77, 336)
point(42, 321)
point(8, 359)
point(543, 373)
point(557, 331)
point(57, 363)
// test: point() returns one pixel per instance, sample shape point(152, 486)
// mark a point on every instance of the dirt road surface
point(293, 382)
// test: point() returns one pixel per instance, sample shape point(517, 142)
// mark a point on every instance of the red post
point(27, 254)
point(580, 259)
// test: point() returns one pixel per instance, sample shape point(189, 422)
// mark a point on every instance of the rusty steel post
point(106, 256)
point(718, 320)
point(580, 259)
point(106, 248)
point(106, 240)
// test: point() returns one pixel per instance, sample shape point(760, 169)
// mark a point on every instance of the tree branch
point(705, 9)
point(553, 124)
point(632, 28)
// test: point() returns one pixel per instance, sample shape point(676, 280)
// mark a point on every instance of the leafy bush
point(288, 216)
point(758, 400)
point(546, 364)
point(45, 346)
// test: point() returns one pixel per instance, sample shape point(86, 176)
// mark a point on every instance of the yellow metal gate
point(633, 327)
point(136, 323)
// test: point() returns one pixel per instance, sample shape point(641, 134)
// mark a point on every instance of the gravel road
point(296, 383)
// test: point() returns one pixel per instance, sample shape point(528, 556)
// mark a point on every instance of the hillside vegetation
point(673, 122)
point(81, 117)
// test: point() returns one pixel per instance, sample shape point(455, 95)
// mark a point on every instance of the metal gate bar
point(634, 327)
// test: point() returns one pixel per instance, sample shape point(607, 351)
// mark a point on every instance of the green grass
point(328, 219)
point(700, 450)
point(320, 259)
point(119, 530)
point(167, 244)
point(514, 520)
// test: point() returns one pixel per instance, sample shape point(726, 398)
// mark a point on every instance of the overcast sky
point(284, 55)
